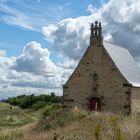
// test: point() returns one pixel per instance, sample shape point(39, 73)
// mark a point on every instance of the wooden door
point(95, 104)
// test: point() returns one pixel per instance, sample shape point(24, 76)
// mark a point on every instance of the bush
point(51, 109)
point(39, 104)
point(35, 102)
point(54, 116)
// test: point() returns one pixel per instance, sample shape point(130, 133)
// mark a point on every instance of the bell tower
point(96, 33)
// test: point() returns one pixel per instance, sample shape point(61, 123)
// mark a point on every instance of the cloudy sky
point(41, 41)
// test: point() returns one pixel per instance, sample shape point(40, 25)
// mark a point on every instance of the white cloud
point(15, 17)
point(2, 53)
point(120, 22)
point(5, 64)
point(67, 63)
point(32, 15)
point(71, 36)
point(48, 31)
point(91, 9)
point(35, 59)
point(32, 72)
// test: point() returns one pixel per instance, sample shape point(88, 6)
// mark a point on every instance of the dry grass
point(79, 125)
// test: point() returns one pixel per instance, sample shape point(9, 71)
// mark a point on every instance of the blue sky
point(42, 41)
point(38, 14)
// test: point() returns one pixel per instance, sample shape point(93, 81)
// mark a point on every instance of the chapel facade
point(106, 79)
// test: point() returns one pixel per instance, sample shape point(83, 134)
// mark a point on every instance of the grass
point(11, 116)
point(56, 124)
point(93, 126)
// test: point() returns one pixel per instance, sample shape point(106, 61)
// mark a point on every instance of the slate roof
point(124, 62)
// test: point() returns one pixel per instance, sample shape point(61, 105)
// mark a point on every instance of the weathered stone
point(100, 79)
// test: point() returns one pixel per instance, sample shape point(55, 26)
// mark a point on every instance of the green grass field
point(14, 120)
point(12, 116)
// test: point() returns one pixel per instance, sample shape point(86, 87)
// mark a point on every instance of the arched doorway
point(95, 104)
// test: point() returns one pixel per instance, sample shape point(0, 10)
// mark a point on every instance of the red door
point(95, 104)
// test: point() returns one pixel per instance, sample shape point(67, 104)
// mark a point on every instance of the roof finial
point(100, 30)
point(96, 23)
point(92, 30)
point(100, 24)
point(96, 28)
point(92, 25)
point(96, 31)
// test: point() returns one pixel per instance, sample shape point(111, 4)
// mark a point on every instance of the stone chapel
point(106, 79)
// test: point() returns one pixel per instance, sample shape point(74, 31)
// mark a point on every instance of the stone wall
point(97, 76)
point(135, 99)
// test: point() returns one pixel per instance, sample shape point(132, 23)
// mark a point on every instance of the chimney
point(96, 33)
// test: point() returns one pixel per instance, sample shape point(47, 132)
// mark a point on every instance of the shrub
point(97, 131)
point(51, 109)
point(29, 101)
point(39, 104)
point(54, 117)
